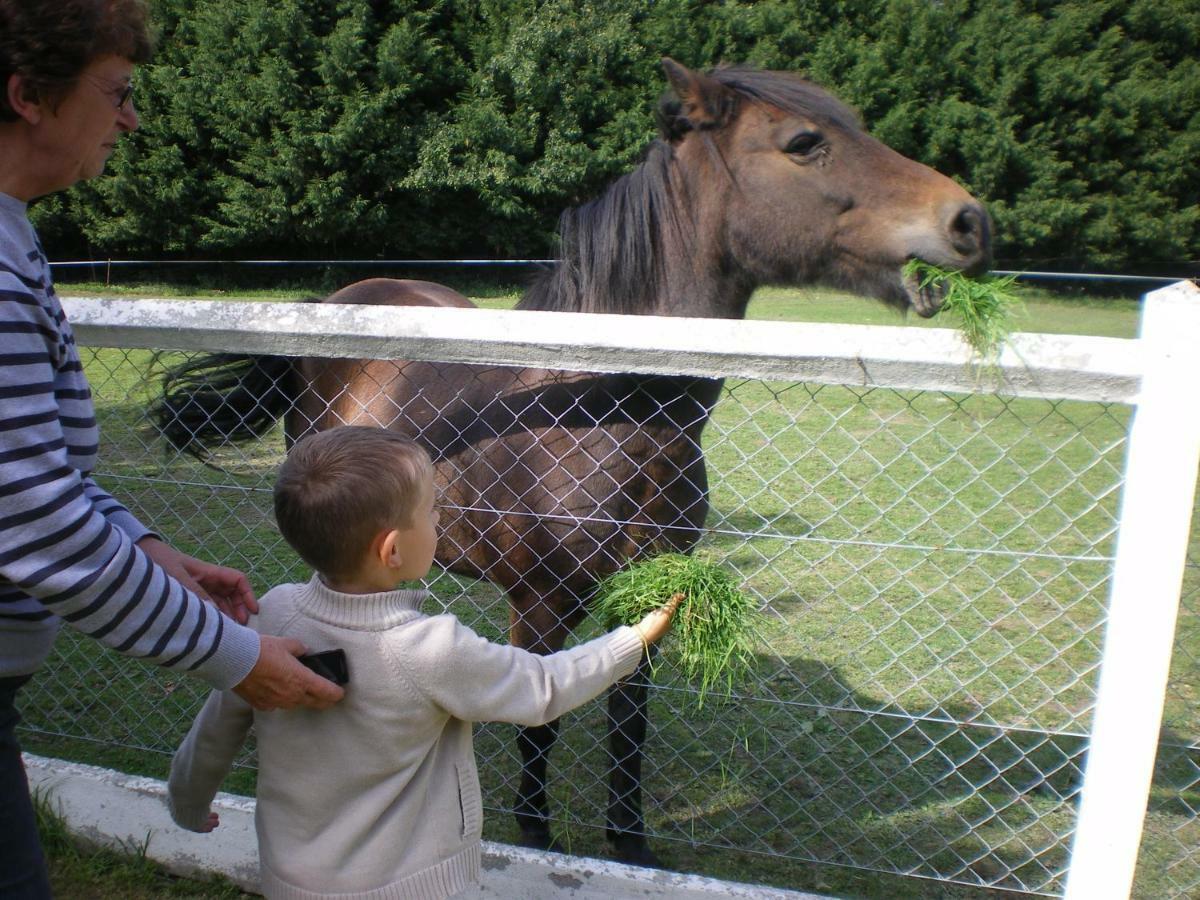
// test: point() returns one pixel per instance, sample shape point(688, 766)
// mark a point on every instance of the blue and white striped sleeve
point(58, 545)
point(115, 512)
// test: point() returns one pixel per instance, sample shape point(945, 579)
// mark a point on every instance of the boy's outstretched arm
point(479, 681)
point(205, 758)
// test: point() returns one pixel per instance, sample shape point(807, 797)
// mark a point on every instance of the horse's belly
point(569, 506)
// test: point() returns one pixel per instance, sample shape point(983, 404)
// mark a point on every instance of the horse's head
point(804, 195)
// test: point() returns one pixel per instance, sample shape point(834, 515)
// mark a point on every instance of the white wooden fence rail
point(1157, 373)
point(1035, 365)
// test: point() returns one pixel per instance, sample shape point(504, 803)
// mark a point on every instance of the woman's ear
point(23, 99)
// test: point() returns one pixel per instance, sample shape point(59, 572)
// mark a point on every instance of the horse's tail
point(222, 397)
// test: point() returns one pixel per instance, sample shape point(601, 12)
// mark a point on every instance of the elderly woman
point(68, 551)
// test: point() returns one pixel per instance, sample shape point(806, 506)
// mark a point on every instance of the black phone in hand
point(329, 664)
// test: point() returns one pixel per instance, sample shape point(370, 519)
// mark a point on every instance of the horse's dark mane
point(610, 253)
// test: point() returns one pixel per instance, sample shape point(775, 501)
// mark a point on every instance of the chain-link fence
point(932, 569)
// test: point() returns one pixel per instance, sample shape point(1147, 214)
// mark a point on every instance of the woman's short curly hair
point(51, 42)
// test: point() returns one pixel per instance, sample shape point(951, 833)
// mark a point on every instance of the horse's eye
point(804, 143)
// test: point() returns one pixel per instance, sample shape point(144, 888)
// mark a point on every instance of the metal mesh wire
point(932, 571)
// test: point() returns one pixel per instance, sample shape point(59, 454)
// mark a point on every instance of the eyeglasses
point(122, 93)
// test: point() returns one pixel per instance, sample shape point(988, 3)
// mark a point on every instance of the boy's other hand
point(656, 624)
point(279, 681)
point(212, 822)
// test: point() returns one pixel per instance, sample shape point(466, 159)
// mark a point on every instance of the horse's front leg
point(627, 720)
point(532, 809)
point(539, 628)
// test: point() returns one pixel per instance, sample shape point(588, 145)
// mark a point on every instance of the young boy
point(378, 797)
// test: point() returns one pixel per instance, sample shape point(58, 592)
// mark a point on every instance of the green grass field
point(932, 570)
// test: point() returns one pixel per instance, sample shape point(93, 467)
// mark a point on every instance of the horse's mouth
point(925, 300)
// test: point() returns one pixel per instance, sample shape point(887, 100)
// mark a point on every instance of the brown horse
point(554, 479)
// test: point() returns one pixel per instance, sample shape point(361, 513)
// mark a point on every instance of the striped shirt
point(67, 549)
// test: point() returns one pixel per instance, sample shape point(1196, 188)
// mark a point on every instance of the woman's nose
point(127, 117)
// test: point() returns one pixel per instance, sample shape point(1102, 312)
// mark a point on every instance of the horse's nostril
point(966, 223)
point(970, 235)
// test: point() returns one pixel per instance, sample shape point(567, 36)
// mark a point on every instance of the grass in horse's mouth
point(984, 307)
point(711, 634)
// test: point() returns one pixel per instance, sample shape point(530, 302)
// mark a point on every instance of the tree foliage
point(441, 127)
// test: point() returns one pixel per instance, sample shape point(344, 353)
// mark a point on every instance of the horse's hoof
point(633, 850)
point(540, 840)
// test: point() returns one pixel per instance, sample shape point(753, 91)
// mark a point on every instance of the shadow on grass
point(848, 779)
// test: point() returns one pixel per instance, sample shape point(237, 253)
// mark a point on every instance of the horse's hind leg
point(627, 721)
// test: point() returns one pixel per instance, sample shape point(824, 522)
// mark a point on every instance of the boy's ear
point(22, 100)
point(386, 548)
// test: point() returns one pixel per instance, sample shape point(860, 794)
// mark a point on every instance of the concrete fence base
point(113, 809)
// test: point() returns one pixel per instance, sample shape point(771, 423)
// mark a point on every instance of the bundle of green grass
point(985, 307)
point(711, 634)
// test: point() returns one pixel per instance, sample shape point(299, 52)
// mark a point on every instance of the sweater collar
point(363, 612)
point(12, 206)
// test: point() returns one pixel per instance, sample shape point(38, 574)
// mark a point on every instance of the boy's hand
point(279, 681)
point(656, 624)
point(213, 821)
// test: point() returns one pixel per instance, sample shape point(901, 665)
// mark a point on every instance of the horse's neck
point(691, 282)
point(653, 244)
point(702, 292)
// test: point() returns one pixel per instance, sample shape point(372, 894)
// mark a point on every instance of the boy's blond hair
point(340, 488)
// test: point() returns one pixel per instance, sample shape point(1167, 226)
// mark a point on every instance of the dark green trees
point(353, 128)
point(284, 127)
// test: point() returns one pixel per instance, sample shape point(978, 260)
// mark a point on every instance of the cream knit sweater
point(378, 797)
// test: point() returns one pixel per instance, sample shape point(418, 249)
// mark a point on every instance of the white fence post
point(1156, 509)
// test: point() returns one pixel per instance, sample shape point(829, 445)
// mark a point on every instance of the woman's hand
point(227, 589)
point(279, 681)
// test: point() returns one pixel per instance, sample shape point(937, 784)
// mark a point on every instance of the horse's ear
point(698, 102)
